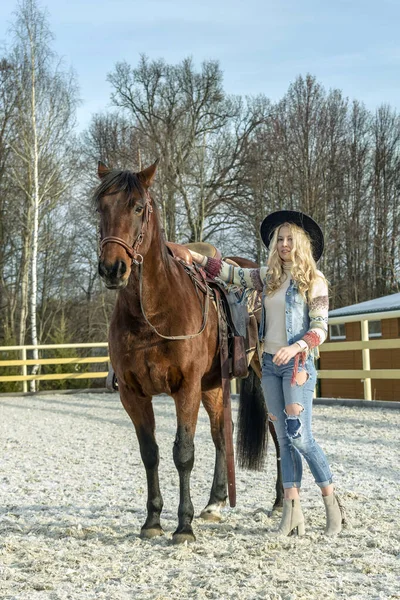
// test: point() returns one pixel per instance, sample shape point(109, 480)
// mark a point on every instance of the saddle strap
point(226, 395)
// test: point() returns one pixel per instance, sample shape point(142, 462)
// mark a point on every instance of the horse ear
point(147, 175)
point(102, 169)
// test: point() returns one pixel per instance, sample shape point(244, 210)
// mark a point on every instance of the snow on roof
point(386, 303)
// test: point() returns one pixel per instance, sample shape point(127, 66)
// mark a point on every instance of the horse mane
point(129, 182)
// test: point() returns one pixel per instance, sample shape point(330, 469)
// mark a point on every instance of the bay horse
point(161, 341)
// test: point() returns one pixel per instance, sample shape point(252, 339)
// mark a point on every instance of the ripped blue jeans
point(294, 432)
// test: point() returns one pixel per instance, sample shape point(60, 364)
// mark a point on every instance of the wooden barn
point(361, 357)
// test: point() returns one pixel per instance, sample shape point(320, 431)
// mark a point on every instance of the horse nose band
point(116, 240)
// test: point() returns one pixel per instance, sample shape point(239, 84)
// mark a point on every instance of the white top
point(275, 317)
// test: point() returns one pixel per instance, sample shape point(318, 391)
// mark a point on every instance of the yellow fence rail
point(24, 362)
point(365, 345)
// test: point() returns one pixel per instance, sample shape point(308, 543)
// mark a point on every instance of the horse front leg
point(142, 415)
point(213, 403)
point(187, 408)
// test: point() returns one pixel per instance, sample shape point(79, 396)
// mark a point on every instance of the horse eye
point(138, 210)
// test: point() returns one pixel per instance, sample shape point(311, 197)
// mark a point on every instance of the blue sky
point(262, 45)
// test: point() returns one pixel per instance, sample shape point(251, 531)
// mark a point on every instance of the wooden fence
point(23, 363)
point(365, 345)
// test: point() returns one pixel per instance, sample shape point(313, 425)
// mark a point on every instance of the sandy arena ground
point(73, 495)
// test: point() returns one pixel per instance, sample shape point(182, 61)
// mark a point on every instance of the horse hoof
point(212, 512)
point(210, 515)
point(151, 532)
point(181, 538)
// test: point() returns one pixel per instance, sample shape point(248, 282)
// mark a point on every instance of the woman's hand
point(286, 353)
point(198, 258)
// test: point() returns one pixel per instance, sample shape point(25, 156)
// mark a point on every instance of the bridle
point(132, 251)
point(137, 259)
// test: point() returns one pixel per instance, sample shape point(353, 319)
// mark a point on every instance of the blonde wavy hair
point(304, 269)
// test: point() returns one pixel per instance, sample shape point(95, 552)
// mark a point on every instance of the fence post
point(366, 360)
point(24, 370)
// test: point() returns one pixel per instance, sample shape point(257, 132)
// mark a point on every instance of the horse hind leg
point(213, 403)
point(142, 416)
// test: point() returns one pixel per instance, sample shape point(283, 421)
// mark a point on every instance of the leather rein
point(137, 259)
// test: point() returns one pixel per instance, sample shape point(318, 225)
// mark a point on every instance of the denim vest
point(296, 313)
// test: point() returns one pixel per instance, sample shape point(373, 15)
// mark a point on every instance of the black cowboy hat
point(272, 221)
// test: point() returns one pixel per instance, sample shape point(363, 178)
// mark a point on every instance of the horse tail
point(252, 425)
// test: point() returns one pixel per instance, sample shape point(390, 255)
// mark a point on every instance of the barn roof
point(384, 304)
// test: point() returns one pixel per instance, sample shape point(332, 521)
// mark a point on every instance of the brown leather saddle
point(230, 307)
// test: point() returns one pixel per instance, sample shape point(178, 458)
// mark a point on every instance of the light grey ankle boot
point(334, 517)
point(292, 519)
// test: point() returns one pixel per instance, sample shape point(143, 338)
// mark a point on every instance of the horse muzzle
point(114, 275)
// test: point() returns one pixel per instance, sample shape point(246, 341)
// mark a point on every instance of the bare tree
point(8, 98)
point(175, 110)
point(45, 119)
point(386, 187)
point(113, 139)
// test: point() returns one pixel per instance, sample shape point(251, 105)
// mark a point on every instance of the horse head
point(125, 207)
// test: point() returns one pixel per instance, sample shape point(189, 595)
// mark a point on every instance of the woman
point(294, 323)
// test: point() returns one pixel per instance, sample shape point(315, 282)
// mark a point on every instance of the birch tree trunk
point(35, 207)
point(24, 282)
